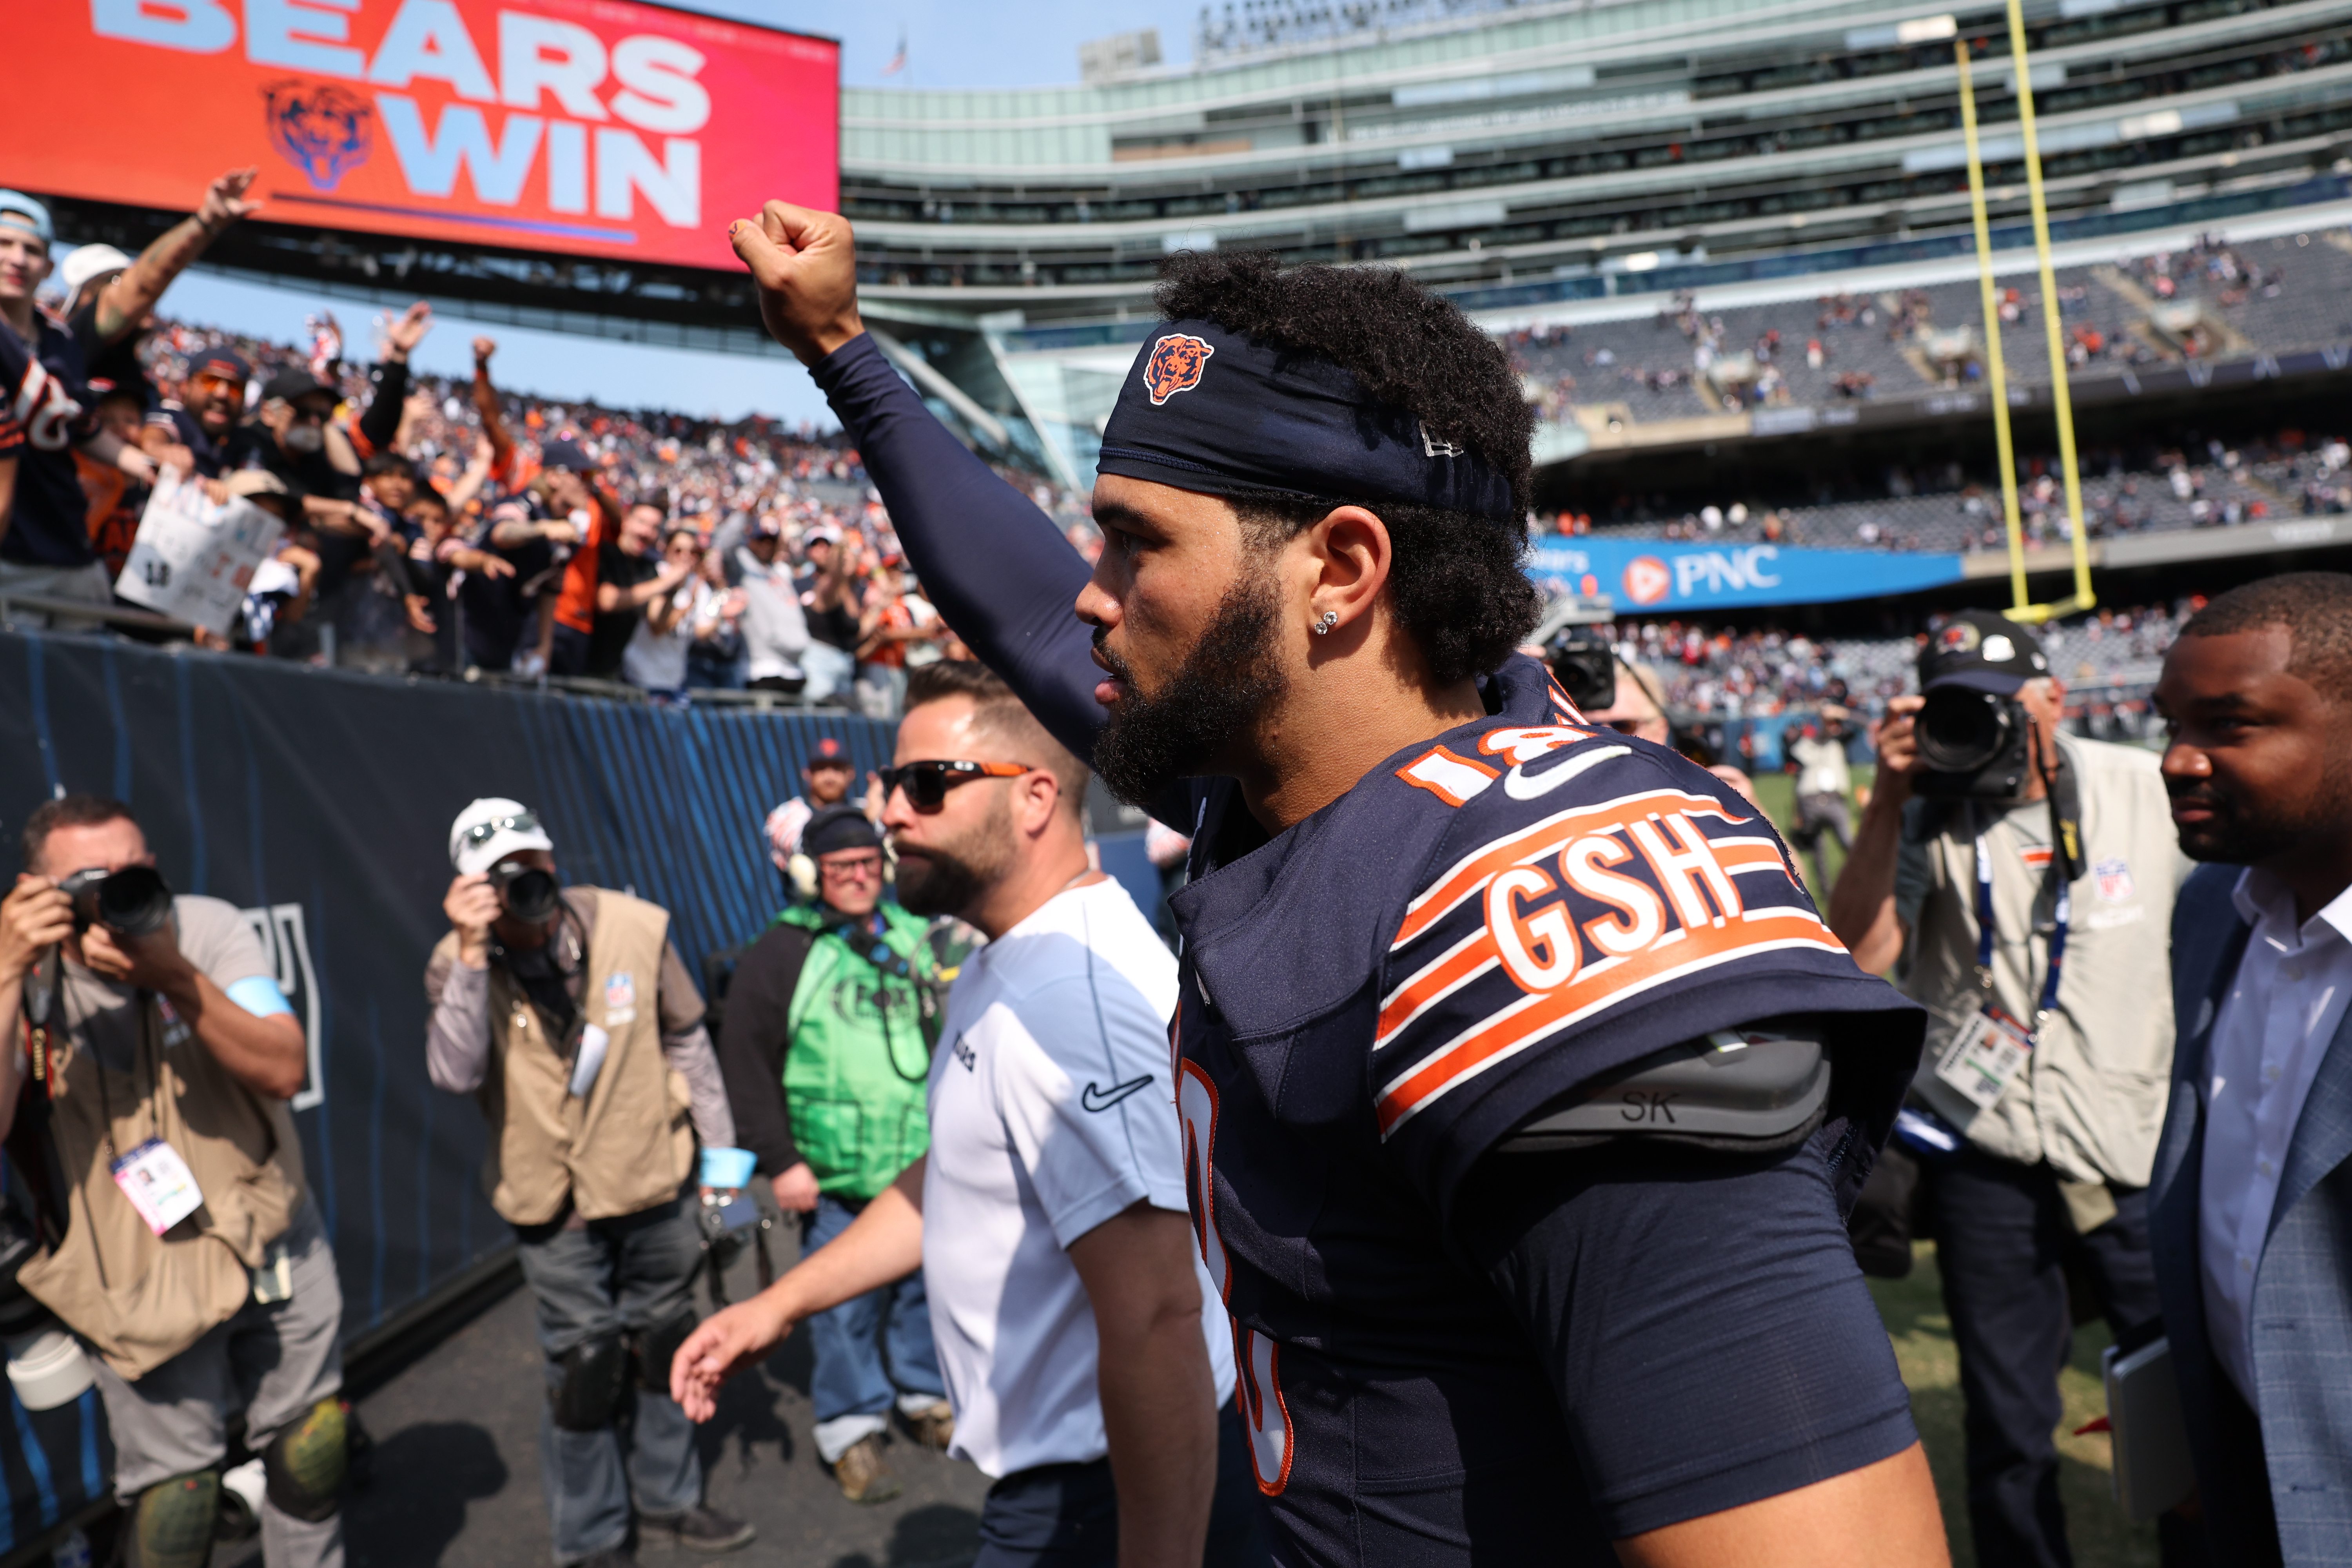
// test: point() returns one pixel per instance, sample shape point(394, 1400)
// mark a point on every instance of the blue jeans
point(829, 671)
point(595, 1278)
point(708, 672)
point(870, 1351)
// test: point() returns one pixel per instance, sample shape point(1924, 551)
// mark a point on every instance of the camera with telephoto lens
point(529, 893)
point(133, 901)
point(45, 1365)
point(1973, 745)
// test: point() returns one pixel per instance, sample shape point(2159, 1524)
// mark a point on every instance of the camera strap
point(33, 1151)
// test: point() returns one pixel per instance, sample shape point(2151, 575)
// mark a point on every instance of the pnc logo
point(1646, 580)
point(1174, 366)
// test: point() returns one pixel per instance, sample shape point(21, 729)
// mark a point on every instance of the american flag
point(898, 61)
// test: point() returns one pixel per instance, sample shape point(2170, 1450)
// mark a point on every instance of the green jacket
point(859, 1051)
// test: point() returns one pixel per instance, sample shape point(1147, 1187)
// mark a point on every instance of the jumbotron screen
point(593, 127)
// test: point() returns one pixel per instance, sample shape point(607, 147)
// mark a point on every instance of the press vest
point(858, 1057)
point(629, 1144)
point(2090, 1094)
point(138, 1298)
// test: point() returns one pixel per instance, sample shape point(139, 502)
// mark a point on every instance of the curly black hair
point(1458, 582)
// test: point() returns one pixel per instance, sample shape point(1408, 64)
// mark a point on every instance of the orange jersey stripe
point(1457, 964)
point(1604, 984)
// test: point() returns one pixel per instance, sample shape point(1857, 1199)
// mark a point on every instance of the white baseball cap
point(87, 262)
point(491, 829)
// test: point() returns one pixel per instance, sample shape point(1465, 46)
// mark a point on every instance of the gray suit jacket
point(2300, 1474)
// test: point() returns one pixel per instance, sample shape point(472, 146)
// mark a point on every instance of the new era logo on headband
point(1439, 447)
point(1174, 365)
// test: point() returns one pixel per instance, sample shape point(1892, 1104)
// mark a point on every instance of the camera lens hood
point(134, 901)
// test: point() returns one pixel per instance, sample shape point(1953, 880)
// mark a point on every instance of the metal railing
point(38, 612)
point(13, 605)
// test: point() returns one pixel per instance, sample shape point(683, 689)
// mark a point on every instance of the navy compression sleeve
point(1704, 1327)
point(996, 567)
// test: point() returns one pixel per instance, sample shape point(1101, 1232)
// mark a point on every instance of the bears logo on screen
point(1175, 365)
point(325, 131)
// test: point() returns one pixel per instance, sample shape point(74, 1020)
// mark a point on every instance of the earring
point(1331, 618)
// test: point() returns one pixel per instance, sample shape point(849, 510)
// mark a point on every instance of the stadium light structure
point(2022, 608)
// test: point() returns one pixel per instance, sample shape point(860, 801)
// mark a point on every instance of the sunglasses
point(483, 832)
point(927, 782)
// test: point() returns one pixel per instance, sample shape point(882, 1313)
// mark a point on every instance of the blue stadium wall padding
point(319, 803)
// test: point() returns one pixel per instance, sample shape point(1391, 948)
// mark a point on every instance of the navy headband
point(1208, 410)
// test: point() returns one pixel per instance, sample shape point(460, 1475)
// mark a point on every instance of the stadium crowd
point(682, 554)
point(2161, 489)
point(2211, 300)
point(442, 526)
point(1712, 673)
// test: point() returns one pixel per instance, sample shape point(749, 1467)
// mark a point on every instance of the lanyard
point(1985, 932)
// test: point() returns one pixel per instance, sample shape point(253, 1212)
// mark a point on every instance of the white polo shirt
point(1051, 1111)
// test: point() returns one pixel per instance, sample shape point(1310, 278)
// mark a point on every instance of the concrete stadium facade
point(1564, 159)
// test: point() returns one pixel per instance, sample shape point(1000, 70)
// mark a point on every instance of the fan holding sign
point(199, 544)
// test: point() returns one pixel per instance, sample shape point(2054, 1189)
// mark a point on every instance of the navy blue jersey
point(1371, 1000)
point(45, 413)
point(173, 418)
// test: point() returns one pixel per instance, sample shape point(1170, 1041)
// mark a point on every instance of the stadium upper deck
point(1576, 158)
point(1497, 143)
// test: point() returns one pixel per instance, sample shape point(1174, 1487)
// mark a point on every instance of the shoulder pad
point(1760, 1086)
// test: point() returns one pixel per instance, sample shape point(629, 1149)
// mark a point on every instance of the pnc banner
point(1652, 574)
point(596, 127)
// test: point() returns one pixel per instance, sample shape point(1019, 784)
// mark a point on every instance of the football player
point(1523, 1088)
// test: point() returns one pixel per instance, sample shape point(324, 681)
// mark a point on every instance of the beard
point(2235, 836)
point(949, 878)
point(1227, 680)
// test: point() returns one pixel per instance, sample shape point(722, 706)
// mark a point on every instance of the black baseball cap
point(829, 754)
point(563, 452)
point(838, 827)
point(290, 384)
point(1983, 652)
point(221, 363)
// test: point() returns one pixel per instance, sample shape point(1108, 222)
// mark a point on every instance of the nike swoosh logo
point(1095, 1098)
point(1520, 785)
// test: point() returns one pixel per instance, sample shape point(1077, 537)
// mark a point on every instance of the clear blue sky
point(949, 43)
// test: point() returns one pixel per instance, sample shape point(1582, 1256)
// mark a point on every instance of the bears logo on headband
point(1175, 365)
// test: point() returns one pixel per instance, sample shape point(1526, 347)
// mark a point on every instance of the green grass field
point(1914, 1310)
point(2101, 1536)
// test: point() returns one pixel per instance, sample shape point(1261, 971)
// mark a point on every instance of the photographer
point(150, 1129)
point(569, 1014)
point(1816, 759)
point(2020, 883)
